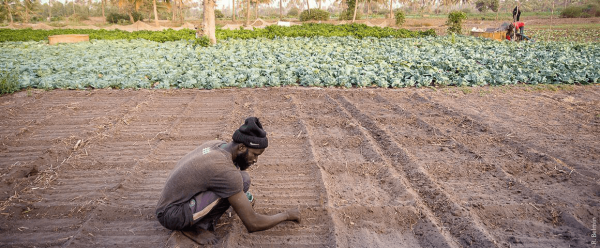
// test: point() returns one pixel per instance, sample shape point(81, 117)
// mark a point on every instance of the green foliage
point(100, 34)
point(321, 29)
point(484, 5)
point(315, 14)
point(137, 16)
point(348, 13)
point(316, 61)
point(116, 17)
point(123, 18)
point(454, 22)
point(77, 18)
point(293, 11)
point(304, 30)
point(399, 18)
point(590, 10)
point(219, 14)
point(203, 41)
point(9, 82)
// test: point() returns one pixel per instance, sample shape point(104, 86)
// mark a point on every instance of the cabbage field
point(315, 61)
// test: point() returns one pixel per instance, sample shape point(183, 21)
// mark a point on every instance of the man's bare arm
point(258, 222)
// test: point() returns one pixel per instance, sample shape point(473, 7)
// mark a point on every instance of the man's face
point(246, 157)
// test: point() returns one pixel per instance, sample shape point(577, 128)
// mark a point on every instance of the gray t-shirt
point(207, 168)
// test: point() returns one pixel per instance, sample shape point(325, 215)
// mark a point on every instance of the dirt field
point(479, 167)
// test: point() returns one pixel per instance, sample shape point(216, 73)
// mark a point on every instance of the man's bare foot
point(201, 236)
point(294, 215)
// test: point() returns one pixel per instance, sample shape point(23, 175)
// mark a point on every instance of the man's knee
point(246, 180)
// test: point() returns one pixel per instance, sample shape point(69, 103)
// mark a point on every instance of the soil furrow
point(517, 189)
point(344, 170)
point(461, 225)
point(269, 201)
point(575, 153)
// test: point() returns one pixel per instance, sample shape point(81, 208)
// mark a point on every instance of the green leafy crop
point(304, 61)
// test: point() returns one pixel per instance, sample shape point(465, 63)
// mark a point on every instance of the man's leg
point(207, 208)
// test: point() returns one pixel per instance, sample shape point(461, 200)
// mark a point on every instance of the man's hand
point(258, 222)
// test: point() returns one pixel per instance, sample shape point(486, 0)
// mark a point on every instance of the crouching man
point(208, 180)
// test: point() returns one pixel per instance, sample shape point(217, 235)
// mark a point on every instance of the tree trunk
point(280, 9)
point(50, 10)
point(391, 11)
point(355, 7)
point(308, 6)
point(320, 3)
point(247, 13)
point(26, 12)
point(233, 11)
point(368, 9)
point(73, 7)
point(9, 12)
point(552, 15)
point(130, 17)
point(256, 9)
point(181, 16)
point(155, 13)
point(208, 23)
point(104, 16)
point(173, 9)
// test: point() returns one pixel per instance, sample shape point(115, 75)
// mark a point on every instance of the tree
point(153, 7)
point(233, 11)
point(7, 4)
point(247, 13)
point(355, 7)
point(208, 23)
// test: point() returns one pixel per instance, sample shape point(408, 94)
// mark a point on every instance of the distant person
point(517, 12)
point(210, 179)
point(518, 27)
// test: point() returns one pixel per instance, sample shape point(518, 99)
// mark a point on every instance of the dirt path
point(493, 166)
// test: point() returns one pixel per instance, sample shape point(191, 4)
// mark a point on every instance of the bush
point(116, 17)
point(315, 14)
point(399, 18)
point(454, 21)
point(137, 16)
point(123, 18)
point(219, 14)
point(590, 10)
point(77, 18)
point(347, 15)
point(9, 83)
point(484, 5)
point(293, 12)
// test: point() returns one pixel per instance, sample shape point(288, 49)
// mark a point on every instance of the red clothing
point(519, 25)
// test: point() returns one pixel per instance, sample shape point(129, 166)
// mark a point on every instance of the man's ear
point(242, 148)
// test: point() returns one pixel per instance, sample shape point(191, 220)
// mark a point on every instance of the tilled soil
point(452, 167)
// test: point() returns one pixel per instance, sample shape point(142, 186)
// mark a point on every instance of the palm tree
point(155, 12)
point(7, 4)
point(233, 11)
point(247, 13)
point(355, 8)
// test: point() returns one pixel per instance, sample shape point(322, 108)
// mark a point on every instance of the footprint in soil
point(514, 240)
point(19, 172)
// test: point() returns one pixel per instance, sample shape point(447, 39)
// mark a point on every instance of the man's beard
point(241, 161)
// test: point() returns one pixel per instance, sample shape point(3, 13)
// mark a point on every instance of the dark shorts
point(203, 210)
